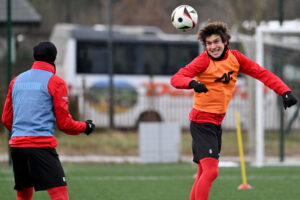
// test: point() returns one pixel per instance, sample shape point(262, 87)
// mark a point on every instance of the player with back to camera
point(212, 76)
point(36, 99)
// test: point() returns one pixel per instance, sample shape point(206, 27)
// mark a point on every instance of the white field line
point(158, 178)
point(224, 161)
point(161, 178)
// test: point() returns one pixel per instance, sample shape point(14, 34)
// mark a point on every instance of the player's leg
point(209, 174)
point(193, 191)
point(25, 194)
point(210, 166)
point(206, 153)
point(58, 193)
point(49, 174)
point(23, 181)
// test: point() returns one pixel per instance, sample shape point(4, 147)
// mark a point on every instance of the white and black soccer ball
point(184, 17)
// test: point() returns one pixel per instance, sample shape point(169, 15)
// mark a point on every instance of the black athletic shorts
point(206, 140)
point(37, 167)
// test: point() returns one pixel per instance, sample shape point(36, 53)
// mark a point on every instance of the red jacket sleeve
point(251, 68)
point(58, 90)
point(7, 115)
point(186, 74)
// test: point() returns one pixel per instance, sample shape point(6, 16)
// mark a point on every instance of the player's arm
point(251, 68)
point(183, 78)
point(272, 81)
point(58, 90)
point(7, 115)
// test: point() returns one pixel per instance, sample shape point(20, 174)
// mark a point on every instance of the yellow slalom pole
point(244, 184)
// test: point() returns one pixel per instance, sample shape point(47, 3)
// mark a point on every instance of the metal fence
point(176, 110)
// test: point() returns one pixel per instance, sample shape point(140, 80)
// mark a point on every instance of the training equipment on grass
point(244, 185)
point(184, 17)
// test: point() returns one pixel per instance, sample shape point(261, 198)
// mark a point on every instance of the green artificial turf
point(165, 182)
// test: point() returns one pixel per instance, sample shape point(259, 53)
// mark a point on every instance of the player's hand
point(198, 87)
point(288, 100)
point(90, 126)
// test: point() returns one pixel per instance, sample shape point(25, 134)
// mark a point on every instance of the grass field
point(165, 182)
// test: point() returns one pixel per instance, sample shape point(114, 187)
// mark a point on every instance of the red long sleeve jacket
point(220, 78)
point(57, 88)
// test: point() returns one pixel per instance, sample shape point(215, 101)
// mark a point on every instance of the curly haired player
point(212, 75)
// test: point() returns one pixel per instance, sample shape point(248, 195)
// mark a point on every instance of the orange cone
point(245, 187)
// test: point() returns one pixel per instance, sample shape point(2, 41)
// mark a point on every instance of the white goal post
point(285, 37)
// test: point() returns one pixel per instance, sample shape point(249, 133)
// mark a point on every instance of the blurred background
point(117, 57)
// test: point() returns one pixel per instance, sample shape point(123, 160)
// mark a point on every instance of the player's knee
point(212, 173)
point(210, 168)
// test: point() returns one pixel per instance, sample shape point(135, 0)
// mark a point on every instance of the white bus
point(144, 60)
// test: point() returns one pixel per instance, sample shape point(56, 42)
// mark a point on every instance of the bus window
point(139, 58)
point(154, 59)
point(92, 57)
point(134, 58)
point(125, 58)
point(180, 55)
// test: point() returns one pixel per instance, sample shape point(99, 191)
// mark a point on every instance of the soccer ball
point(184, 17)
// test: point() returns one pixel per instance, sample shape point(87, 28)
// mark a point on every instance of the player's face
point(214, 46)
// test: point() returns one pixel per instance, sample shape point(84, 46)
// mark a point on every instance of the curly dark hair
point(211, 28)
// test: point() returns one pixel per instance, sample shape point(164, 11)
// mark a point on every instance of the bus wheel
point(148, 116)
